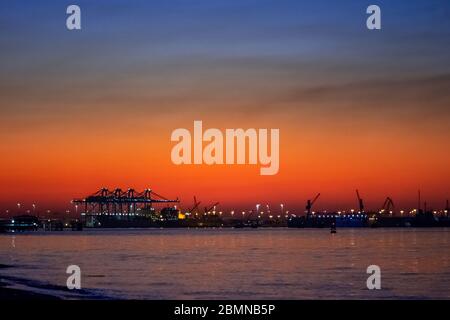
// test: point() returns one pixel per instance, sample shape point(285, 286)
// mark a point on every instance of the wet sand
point(16, 294)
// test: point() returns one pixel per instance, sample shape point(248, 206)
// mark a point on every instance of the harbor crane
point(388, 206)
point(196, 204)
point(210, 208)
point(360, 202)
point(309, 205)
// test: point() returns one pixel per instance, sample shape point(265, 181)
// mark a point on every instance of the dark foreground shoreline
point(16, 294)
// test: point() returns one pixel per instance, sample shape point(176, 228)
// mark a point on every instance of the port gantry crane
point(360, 202)
point(387, 206)
point(118, 201)
point(309, 205)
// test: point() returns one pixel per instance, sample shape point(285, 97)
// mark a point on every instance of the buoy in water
point(333, 228)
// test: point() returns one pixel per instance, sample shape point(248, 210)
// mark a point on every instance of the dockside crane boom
point(196, 204)
point(387, 206)
point(360, 202)
point(210, 207)
point(309, 205)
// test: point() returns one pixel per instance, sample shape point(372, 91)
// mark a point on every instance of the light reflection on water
point(236, 264)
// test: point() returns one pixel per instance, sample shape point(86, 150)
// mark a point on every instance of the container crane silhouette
point(196, 204)
point(309, 205)
point(208, 209)
point(388, 206)
point(360, 202)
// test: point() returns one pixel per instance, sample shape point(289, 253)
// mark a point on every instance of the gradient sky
point(80, 110)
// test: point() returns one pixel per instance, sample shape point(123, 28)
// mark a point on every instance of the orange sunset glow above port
point(97, 109)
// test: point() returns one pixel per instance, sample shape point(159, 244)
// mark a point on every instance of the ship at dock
point(312, 219)
point(384, 218)
point(19, 224)
point(127, 209)
point(148, 209)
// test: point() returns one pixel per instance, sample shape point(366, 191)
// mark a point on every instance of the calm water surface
point(231, 263)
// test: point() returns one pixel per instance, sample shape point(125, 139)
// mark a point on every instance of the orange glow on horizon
point(56, 163)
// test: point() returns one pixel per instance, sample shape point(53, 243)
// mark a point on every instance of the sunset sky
point(363, 109)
